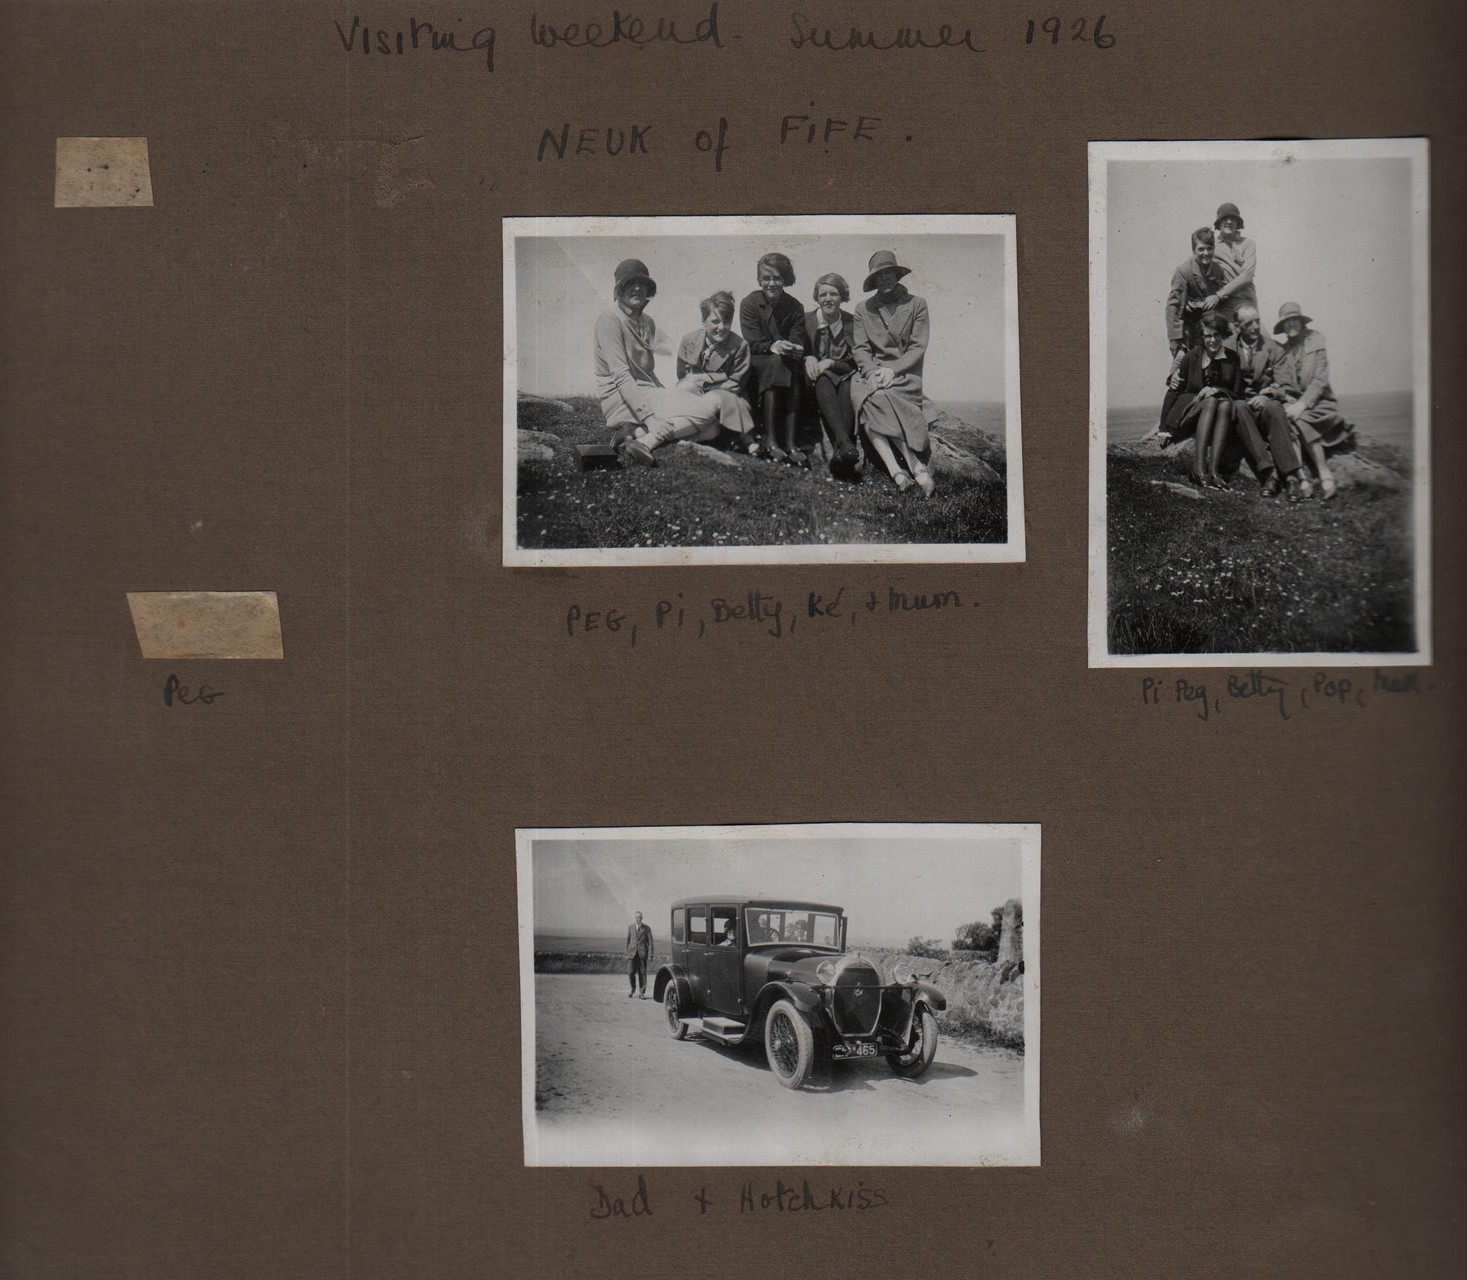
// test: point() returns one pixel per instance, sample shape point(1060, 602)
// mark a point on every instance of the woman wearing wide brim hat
point(1236, 258)
point(641, 412)
point(1309, 400)
point(889, 346)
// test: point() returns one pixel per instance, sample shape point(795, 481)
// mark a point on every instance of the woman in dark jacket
point(773, 324)
point(1204, 387)
point(828, 368)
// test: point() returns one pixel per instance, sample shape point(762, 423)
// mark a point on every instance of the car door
point(697, 961)
point(723, 964)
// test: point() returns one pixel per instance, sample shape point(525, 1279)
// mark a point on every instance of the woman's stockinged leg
point(917, 467)
point(789, 413)
point(883, 450)
point(1202, 440)
point(1220, 426)
point(769, 413)
point(835, 413)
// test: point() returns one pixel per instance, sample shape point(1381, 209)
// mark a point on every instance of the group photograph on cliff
point(815, 994)
point(751, 390)
point(1260, 403)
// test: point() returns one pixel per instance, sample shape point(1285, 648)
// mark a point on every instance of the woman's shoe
point(924, 482)
point(797, 458)
point(775, 454)
point(844, 462)
point(1327, 486)
point(902, 481)
point(1306, 487)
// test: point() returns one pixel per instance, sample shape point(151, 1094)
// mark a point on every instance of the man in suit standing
point(638, 955)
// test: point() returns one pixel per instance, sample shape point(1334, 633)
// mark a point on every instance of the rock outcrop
point(1365, 463)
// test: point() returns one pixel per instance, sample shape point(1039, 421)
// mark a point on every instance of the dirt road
point(612, 1087)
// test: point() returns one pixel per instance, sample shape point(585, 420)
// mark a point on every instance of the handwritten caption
point(756, 610)
point(697, 27)
point(1286, 698)
point(175, 693)
point(752, 1197)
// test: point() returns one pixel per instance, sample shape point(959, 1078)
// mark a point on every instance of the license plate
point(866, 1050)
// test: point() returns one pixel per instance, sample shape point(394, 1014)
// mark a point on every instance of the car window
point(725, 928)
point(697, 924)
point(679, 924)
point(792, 925)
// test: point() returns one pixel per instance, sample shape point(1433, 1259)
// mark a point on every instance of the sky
point(892, 888)
point(564, 282)
point(1333, 235)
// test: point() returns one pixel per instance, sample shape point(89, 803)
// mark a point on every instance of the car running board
point(724, 1029)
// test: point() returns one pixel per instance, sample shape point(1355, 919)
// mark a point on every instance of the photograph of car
point(855, 994)
point(776, 972)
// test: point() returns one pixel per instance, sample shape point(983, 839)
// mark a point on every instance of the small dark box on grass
point(592, 456)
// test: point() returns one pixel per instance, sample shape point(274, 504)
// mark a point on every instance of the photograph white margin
point(1002, 224)
point(1415, 150)
point(1028, 833)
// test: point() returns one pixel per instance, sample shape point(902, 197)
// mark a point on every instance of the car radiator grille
point(856, 1002)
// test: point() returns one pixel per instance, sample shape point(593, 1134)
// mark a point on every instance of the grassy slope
point(692, 500)
point(1230, 573)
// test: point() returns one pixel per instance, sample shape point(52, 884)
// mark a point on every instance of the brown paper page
point(1056, 875)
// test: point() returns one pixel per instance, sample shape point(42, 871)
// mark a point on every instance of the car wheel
point(918, 1057)
point(676, 1027)
point(789, 1045)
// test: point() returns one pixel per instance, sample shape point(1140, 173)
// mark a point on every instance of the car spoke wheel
point(789, 1044)
point(923, 1048)
point(676, 1027)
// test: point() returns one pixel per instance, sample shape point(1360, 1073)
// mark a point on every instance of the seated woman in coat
point(830, 332)
point(642, 414)
point(1311, 405)
point(714, 362)
point(890, 345)
point(773, 324)
point(1204, 387)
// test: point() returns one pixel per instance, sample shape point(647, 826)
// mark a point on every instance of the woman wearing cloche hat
point(1310, 403)
point(641, 412)
point(889, 346)
point(1237, 259)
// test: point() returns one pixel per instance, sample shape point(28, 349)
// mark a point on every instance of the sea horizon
point(1386, 416)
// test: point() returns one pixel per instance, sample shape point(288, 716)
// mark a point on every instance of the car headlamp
point(903, 973)
point(825, 971)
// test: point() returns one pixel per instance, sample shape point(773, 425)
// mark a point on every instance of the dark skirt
point(776, 371)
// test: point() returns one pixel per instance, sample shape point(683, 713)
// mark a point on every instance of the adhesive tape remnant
point(102, 173)
point(207, 624)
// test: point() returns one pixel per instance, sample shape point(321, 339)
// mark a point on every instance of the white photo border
point(1416, 150)
point(1027, 833)
point(1010, 551)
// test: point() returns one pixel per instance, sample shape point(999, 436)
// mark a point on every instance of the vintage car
point(776, 972)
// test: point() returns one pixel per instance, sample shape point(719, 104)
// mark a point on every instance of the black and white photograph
point(1259, 425)
point(761, 390)
point(821, 994)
